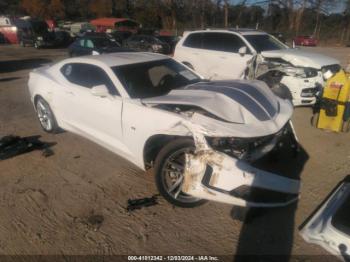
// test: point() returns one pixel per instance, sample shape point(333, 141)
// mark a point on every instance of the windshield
point(40, 27)
point(264, 43)
point(102, 42)
point(156, 78)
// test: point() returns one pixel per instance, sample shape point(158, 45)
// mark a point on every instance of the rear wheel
point(169, 169)
point(46, 117)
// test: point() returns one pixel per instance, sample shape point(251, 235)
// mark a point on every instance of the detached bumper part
point(216, 176)
point(329, 225)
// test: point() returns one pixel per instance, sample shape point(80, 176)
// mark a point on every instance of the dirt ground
point(48, 205)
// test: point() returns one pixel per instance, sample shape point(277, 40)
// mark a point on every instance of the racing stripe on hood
point(248, 95)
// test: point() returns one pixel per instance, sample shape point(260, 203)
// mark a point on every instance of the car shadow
point(7, 79)
point(267, 233)
point(17, 65)
point(12, 146)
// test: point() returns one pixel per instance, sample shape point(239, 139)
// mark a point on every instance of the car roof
point(118, 59)
point(241, 31)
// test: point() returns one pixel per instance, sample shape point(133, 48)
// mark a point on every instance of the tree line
point(325, 19)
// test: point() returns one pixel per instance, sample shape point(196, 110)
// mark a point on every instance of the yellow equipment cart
point(333, 111)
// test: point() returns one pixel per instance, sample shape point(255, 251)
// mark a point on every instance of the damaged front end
point(226, 176)
point(233, 124)
point(297, 83)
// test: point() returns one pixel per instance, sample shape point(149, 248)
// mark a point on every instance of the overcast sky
point(339, 7)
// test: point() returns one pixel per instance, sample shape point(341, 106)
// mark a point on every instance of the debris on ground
point(142, 202)
point(11, 146)
point(47, 152)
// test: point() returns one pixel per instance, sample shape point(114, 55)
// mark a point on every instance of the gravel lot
point(48, 205)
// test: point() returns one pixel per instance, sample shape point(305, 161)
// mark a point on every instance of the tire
point(46, 117)
point(174, 151)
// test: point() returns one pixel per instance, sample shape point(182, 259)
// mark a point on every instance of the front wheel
point(169, 169)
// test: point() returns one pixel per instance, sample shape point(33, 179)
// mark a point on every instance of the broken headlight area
point(302, 72)
point(249, 149)
point(309, 92)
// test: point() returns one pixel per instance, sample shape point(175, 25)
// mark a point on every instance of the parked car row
point(231, 54)
point(94, 44)
point(97, 43)
point(148, 43)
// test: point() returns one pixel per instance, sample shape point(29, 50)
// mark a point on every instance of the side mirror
point(242, 51)
point(100, 90)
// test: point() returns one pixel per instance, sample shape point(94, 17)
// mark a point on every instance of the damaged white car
point(252, 54)
point(199, 136)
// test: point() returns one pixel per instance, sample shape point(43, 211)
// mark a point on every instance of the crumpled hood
point(301, 58)
point(238, 102)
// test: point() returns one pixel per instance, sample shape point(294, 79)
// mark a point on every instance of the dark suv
point(147, 43)
point(35, 33)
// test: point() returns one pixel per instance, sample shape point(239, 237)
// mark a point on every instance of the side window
point(87, 75)
point(194, 40)
point(134, 38)
point(81, 42)
point(89, 43)
point(232, 43)
point(222, 42)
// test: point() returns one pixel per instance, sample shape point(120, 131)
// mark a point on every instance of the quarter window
point(89, 43)
point(81, 42)
point(87, 76)
point(194, 40)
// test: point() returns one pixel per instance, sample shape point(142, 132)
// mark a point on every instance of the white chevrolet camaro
point(199, 136)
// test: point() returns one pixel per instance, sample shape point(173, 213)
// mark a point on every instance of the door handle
point(194, 53)
point(70, 93)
